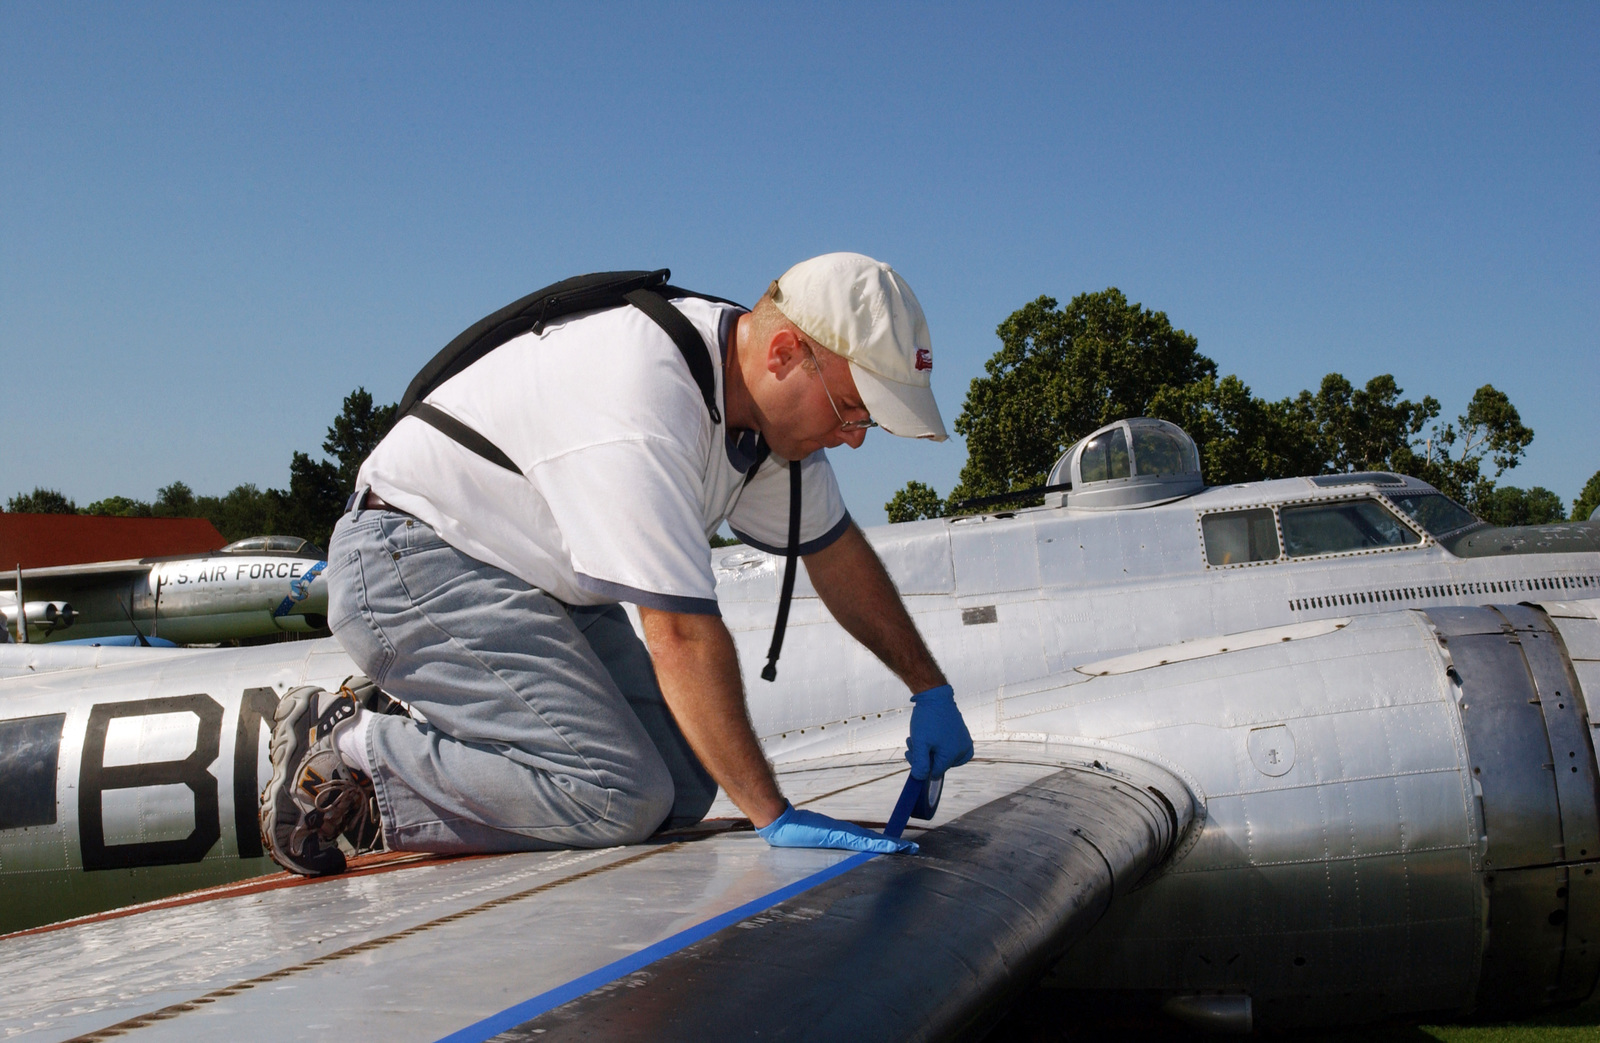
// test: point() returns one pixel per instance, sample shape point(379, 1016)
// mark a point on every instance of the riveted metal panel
point(1580, 967)
point(1582, 636)
point(1566, 724)
point(1588, 674)
point(919, 565)
point(1527, 937)
point(1459, 620)
point(1580, 970)
point(990, 559)
point(1506, 740)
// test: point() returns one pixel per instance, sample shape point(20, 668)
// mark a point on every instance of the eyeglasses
point(844, 425)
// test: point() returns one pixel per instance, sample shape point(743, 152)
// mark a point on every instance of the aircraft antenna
point(22, 612)
point(127, 610)
point(155, 612)
point(1018, 494)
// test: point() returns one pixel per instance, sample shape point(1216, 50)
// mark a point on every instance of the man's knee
point(638, 809)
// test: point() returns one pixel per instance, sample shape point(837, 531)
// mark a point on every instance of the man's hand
point(939, 738)
point(853, 584)
point(797, 828)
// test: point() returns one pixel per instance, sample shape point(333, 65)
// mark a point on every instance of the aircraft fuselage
point(1399, 805)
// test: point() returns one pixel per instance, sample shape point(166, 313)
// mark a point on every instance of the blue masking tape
point(529, 1009)
point(918, 795)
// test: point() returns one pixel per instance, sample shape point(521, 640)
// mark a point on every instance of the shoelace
point(345, 806)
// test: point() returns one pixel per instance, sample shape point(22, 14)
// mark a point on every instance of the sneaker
point(314, 796)
point(369, 696)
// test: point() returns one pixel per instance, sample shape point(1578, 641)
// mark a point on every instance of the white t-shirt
point(626, 477)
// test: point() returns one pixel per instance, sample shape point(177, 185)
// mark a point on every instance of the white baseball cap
point(862, 309)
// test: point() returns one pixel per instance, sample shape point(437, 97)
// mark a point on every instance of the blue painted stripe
point(529, 1009)
point(299, 589)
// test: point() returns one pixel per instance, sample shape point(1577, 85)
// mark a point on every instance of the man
point(487, 601)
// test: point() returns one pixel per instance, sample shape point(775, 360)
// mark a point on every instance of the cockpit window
point(1237, 537)
point(1160, 452)
point(1328, 528)
point(272, 545)
point(1105, 456)
point(1436, 512)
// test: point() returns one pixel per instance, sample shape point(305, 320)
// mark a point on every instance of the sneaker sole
point(285, 751)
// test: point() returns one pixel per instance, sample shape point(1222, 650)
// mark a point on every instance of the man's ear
point(784, 352)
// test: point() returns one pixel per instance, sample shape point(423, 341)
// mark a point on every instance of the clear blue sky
point(216, 220)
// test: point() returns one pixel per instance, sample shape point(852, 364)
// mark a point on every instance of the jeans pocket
point(351, 618)
point(430, 568)
point(345, 589)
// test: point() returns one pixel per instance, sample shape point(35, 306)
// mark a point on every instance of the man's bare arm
point(698, 670)
point(853, 584)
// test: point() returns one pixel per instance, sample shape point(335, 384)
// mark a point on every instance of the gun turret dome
point(1132, 463)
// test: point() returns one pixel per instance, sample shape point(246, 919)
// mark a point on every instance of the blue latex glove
point(797, 828)
point(939, 738)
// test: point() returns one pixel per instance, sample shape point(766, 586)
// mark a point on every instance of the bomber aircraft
point(253, 587)
point(1305, 751)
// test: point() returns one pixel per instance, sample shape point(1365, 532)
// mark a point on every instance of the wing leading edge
point(707, 927)
point(929, 947)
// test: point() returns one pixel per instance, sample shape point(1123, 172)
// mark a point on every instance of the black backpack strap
point(770, 671)
point(580, 293)
point(450, 426)
point(690, 344)
point(585, 293)
point(763, 450)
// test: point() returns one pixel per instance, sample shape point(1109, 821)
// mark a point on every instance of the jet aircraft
point(1307, 751)
point(251, 588)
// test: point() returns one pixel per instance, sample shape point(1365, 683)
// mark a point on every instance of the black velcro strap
point(690, 344)
point(770, 671)
point(449, 425)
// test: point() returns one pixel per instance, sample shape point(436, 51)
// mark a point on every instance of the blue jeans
point(543, 723)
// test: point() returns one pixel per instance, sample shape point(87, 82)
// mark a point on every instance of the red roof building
point(41, 540)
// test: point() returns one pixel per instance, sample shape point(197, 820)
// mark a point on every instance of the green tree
point(1059, 374)
point(243, 511)
point(312, 504)
point(1241, 438)
point(41, 501)
point(119, 507)
point(1509, 505)
point(355, 433)
point(1588, 499)
point(1453, 458)
point(1359, 429)
point(175, 501)
point(915, 501)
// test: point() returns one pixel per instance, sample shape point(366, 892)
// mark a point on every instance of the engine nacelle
point(1402, 815)
point(44, 617)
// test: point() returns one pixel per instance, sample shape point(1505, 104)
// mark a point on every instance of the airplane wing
point(62, 582)
point(704, 932)
point(70, 575)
